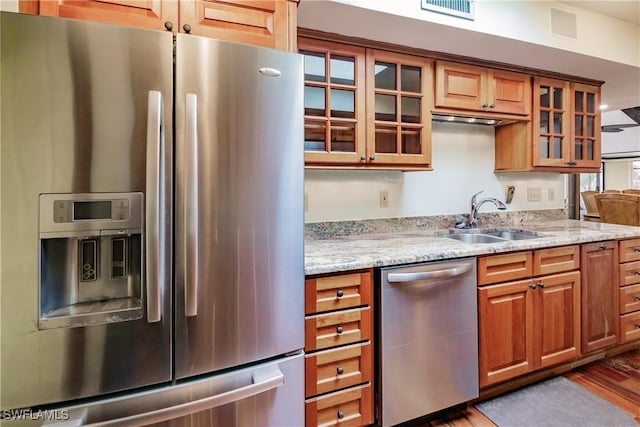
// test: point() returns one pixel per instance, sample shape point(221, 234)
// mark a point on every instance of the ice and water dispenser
point(91, 258)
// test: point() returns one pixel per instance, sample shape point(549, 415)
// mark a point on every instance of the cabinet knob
point(572, 163)
point(168, 25)
point(340, 294)
point(485, 105)
point(541, 284)
point(340, 414)
point(372, 157)
point(637, 326)
point(603, 247)
point(637, 297)
point(637, 249)
point(339, 329)
point(340, 370)
point(363, 157)
point(186, 28)
point(638, 273)
point(532, 286)
point(492, 106)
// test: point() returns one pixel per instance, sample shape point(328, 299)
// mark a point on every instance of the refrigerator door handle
point(155, 240)
point(191, 206)
point(264, 380)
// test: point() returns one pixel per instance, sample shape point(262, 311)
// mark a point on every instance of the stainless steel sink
point(490, 236)
point(475, 238)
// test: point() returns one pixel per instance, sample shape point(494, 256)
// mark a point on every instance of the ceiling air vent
point(459, 8)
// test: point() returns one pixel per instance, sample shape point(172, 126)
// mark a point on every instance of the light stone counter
point(343, 253)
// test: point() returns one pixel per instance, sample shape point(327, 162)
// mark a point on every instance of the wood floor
point(615, 379)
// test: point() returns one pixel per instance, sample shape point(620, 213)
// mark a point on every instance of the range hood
point(469, 120)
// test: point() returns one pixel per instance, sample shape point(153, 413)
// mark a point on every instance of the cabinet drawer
point(630, 327)
point(629, 250)
point(629, 273)
point(338, 368)
point(337, 292)
point(556, 260)
point(629, 299)
point(503, 268)
point(337, 328)
point(351, 407)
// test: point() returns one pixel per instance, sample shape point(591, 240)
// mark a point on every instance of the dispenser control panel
point(90, 210)
point(95, 212)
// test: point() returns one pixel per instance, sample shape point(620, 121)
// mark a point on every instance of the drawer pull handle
point(541, 284)
point(340, 370)
point(532, 286)
point(340, 414)
point(340, 293)
point(339, 329)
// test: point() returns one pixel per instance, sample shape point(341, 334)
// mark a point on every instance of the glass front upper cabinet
point(333, 102)
point(586, 129)
point(551, 114)
point(399, 101)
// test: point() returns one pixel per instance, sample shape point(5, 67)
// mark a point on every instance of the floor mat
point(556, 402)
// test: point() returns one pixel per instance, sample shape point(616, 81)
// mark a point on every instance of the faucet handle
point(473, 199)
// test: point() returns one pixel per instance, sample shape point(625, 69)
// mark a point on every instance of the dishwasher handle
point(445, 273)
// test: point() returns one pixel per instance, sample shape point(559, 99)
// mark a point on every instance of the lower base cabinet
point(339, 350)
point(629, 289)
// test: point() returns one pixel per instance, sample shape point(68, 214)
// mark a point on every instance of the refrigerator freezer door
point(239, 204)
point(76, 117)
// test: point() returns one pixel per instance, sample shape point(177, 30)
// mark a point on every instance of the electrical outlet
point(306, 201)
point(534, 194)
point(384, 199)
point(551, 194)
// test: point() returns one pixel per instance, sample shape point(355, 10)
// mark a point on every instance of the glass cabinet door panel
point(578, 125)
point(544, 147)
point(385, 76)
point(578, 149)
point(544, 122)
point(590, 145)
point(591, 103)
point(557, 148)
point(410, 79)
point(544, 97)
point(314, 101)
point(557, 98)
point(410, 109)
point(314, 66)
point(557, 122)
point(579, 101)
point(386, 138)
point(343, 103)
point(385, 108)
point(343, 137)
point(590, 126)
point(342, 70)
point(411, 141)
point(315, 136)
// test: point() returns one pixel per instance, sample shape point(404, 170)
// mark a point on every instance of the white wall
point(9, 5)
point(617, 174)
point(463, 159)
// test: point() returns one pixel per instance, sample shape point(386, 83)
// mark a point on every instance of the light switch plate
point(534, 194)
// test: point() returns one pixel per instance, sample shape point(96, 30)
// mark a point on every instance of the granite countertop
point(343, 253)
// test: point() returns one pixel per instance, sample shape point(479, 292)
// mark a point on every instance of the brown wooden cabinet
point(269, 23)
point(473, 88)
point(563, 136)
point(533, 320)
point(600, 312)
point(365, 108)
point(339, 350)
point(629, 282)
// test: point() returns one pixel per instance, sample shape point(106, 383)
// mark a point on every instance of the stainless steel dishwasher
point(428, 339)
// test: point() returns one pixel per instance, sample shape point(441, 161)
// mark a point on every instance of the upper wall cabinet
point(472, 88)
point(564, 135)
point(365, 108)
point(269, 23)
point(334, 102)
point(398, 109)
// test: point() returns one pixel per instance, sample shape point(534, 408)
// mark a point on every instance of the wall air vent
point(460, 8)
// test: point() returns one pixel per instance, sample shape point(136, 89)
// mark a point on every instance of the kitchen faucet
point(475, 206)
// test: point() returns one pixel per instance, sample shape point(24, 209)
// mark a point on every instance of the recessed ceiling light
point(603, 106)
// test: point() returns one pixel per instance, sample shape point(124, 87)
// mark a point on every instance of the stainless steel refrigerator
point(151, 264)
